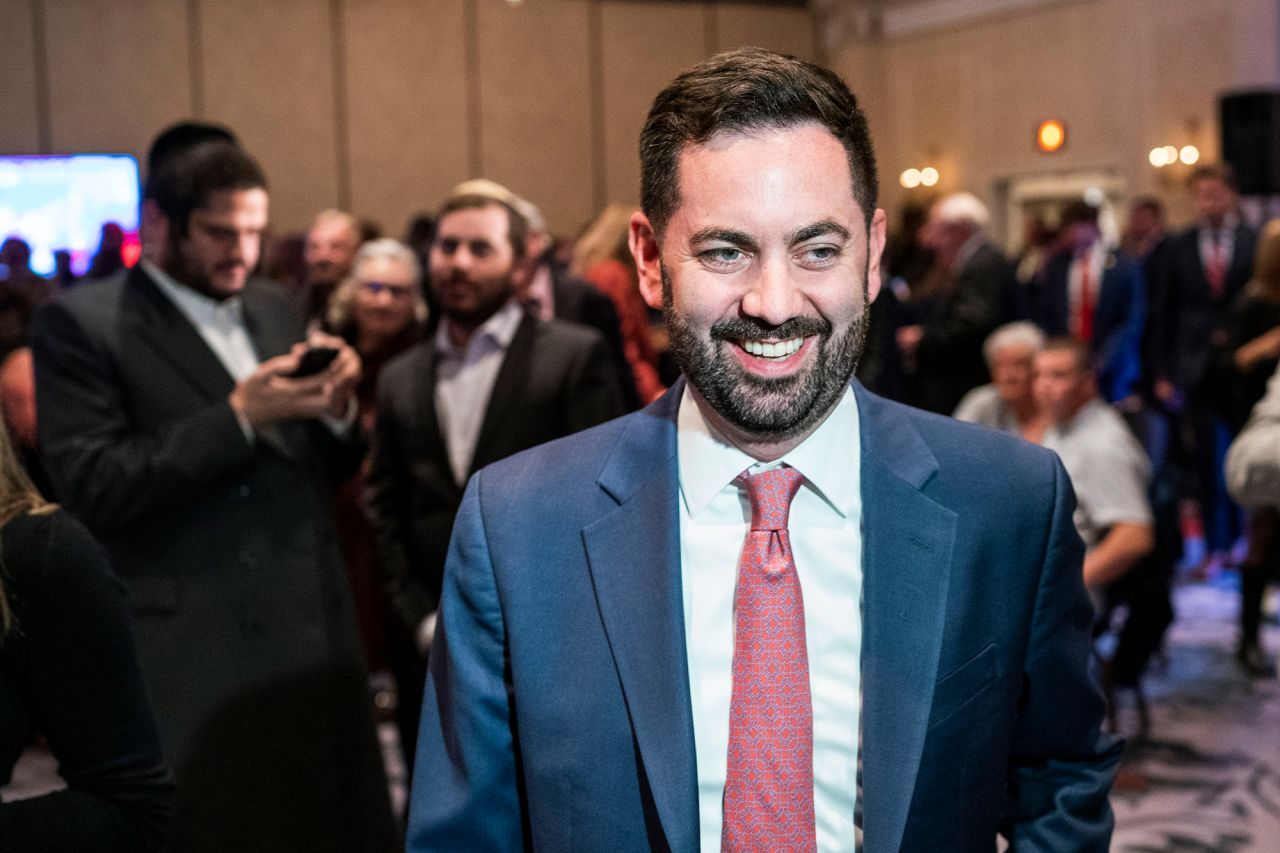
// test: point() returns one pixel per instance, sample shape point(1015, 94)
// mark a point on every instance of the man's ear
point(644, 249)
point(875, 248)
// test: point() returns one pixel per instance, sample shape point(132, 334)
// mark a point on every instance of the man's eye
point(448, 247)
point(820, 255)
point(481, 250)
point(722, 256)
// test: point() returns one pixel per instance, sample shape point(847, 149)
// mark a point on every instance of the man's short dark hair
point(517, 225)
point(1214, 172)
point(741, 91)
point(1079, 349)
point(186, 181)
point(1078, 211)
point(179, 137)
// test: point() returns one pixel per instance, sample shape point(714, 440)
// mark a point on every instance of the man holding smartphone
point(188, 424)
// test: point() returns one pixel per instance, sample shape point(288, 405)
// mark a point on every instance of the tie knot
point(771, 493)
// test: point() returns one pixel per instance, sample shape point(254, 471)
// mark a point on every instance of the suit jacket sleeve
point(108, 471)
point(387, 494)
point(1063, 765)
point(1253, 460)
point(466, 743)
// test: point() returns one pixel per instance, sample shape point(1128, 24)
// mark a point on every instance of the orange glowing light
point(1051, 135)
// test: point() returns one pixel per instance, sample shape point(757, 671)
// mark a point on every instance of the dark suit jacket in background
point(1184, 309)
point(578, 301)
point(245, 631)
point(949, 360)
point(558, 712)
point(555, 380)
point(1117, 321)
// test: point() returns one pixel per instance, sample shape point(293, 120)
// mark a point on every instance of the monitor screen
point(62, 201)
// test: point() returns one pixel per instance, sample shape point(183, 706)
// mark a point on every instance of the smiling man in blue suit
point(771, 611)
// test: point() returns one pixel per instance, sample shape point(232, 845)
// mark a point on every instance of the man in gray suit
point(175, 427)
point(492, 381)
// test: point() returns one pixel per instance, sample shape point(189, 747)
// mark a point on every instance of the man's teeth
point(781, 349)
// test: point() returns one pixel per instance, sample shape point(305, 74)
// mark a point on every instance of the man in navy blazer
point(1095, 294)
point(580, 679)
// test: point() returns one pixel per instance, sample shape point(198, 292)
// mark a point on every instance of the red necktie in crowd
point(1216, 268)
point(1084, 316)
point(768, 792)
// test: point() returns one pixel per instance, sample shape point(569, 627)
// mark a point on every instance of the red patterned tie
point(768, 792)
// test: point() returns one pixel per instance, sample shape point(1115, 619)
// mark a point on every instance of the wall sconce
point(912, 178)
point(1051, 135)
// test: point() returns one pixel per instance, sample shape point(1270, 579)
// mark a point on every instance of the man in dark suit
point(174, 430)
point(1096, 296)
point(493, 381)
point(980, 293)
point(548, 291)
point(1200, 273)
point(771, 610)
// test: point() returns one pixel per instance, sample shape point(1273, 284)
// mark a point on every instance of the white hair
point(339, 313)
point(962, 209)
point(1021, 334)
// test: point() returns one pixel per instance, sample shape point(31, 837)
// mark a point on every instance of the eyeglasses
point(397, 291)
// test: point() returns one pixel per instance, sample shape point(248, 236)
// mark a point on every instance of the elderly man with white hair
point(1008, 403)
point(980, 292)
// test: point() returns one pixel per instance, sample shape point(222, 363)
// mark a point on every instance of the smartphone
point(313, 361)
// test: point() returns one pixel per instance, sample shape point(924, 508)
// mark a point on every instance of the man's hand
point(270, 394)
point(343, 373)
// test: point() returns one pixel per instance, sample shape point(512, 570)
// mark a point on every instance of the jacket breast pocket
point(961, 686)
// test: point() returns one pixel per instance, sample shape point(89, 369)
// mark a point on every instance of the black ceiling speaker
point(1251, 139)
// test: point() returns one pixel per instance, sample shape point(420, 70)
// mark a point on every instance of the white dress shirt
point(219, 322)
point(826, 536)
point(464, 382)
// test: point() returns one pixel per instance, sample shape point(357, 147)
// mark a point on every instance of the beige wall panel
point(788, 31)
point(644, 45)
point(268, 74)
point(407, 103)
point(535, 105)
point(119, 71)
point(19, 133)
point(1125, 75)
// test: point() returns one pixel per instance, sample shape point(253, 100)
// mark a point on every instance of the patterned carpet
point(1207, 778)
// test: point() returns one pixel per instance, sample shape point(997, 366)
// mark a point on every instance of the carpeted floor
point(1207, 778)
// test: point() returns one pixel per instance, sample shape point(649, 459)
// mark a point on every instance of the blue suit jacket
point(557, 714)
point(1117, 323)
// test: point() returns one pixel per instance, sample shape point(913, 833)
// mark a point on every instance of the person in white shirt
point(771, 611)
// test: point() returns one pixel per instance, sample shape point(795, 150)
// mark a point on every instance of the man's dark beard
point(184, 272)
point(770, 409)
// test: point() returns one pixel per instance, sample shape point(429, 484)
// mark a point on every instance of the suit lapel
point(271, 336)
point(152, 317)
point(633, 553)
point(907, 549)
point(508, 386)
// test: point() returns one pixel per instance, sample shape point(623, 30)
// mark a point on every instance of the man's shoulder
point(93, 304)
point(565, 335)
point(409, 368)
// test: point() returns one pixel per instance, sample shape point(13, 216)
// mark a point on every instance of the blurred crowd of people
point(478, 335)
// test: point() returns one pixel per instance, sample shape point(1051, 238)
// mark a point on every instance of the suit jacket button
point(244, 490)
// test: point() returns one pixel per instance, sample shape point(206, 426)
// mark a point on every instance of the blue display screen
point(62, 202)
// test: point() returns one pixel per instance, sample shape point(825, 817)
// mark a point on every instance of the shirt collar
point(500, 329)
point(828, 458)
point(199, 308)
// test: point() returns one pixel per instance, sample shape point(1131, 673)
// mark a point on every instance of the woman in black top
point(68, 673)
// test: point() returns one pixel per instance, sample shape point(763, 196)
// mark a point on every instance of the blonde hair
point(344, 295)
point(605, 239)
point(1265, 283)
point(17, 497)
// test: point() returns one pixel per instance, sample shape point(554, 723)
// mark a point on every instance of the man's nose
point(772, 295)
